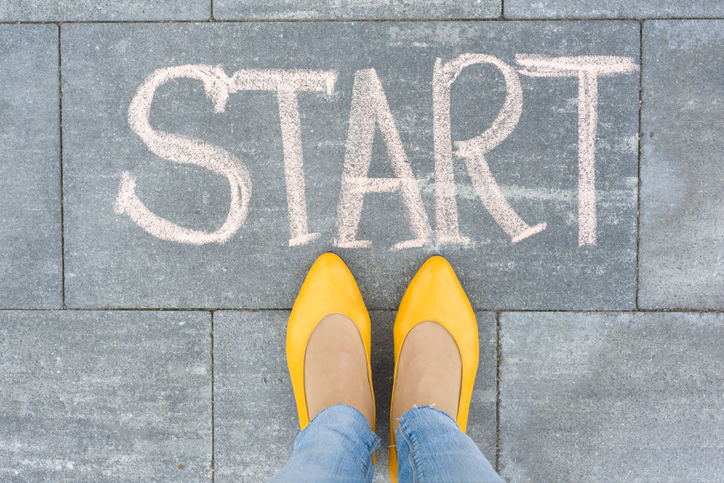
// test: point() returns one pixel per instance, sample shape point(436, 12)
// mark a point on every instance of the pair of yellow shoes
point(434, 294)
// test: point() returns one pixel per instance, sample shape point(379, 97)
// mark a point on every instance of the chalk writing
point(287, 83)
point(588, 69)
point(176, 148)
point(370, 109)
point(369, 104)
point(473, 151)
point(183, 150)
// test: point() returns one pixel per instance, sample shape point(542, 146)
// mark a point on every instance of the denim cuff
point(431, 448)
point(338, 440)
point(425, 414)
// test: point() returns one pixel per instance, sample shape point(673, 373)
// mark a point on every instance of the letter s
point(179, 149)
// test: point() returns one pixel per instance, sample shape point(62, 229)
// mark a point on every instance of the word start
point(369, 108)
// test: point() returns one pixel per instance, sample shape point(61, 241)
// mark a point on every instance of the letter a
point(369, 105)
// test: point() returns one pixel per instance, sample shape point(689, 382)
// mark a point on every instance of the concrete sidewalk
point(170, 170)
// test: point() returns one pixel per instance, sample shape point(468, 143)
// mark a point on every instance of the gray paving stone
point(105, 396)
point(611, 397)
point(112, 262)
point(613, 8)
point(255, 415)
point(69, 10)
point(30, 231)
point(255, 419)
point(374, 9)
point(682, 166)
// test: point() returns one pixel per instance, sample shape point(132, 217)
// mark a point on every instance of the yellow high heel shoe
point(328, 289)
point(435, 294)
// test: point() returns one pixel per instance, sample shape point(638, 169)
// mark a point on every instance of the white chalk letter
point(369, 105)
point(473, 151)
point(588, 69)
point(188, 151)
point(287, 83)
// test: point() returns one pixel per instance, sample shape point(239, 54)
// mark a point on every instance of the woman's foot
point(429, 372)
point(335, 368)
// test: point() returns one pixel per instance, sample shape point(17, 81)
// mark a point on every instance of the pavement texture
point(170, 170)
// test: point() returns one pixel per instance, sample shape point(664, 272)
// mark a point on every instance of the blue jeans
point(338, 446)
